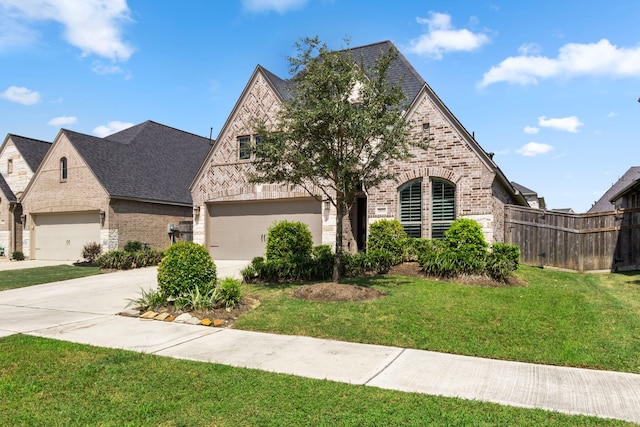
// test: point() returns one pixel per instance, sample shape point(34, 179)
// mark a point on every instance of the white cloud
point(533, 149)
point(111, 128)
point(62, 121)
point(94, 26)
point(531, 130)
point(530, 49)
point(569, 124)
point(574, 59)
point(280, 6)
point(612, 114)
point(442, 37)
point(21, 95)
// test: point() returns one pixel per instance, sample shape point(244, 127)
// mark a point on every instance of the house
point(454, 178)
point(628, 197)
point(19, 159)
point(606, 202)
point(532, 198)
point(132, 185)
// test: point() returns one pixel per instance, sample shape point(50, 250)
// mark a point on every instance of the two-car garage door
point(238, 230)
point(62, 236)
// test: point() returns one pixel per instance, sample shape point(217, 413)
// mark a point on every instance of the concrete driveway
point(85, 311)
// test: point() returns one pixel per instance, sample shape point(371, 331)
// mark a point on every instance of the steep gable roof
point(400, 70)
point(32, 150)
point(149, 161)
point(4, 188)
point(604, 203)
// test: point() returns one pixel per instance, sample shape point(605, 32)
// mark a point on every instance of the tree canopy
point(342, 125)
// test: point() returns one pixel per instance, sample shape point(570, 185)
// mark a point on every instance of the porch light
point(23, 219)
point(102, 215)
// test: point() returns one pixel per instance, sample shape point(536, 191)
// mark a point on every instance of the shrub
point(354, 265)
point(380, 260)
point(185, 267)
point(323, 262)
point(197, 298)
point(91, 251)
point(288, 239)
point(465, 235)
point(121, 260)
point(228, 292)
point(388, 235)
point(148, 300)
point(18, 256)
point(502, 261)
point(133, 246)
point(413, 247)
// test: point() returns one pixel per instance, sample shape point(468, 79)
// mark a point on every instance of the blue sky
point(550, 86)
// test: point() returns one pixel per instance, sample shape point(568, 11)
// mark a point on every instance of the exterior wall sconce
point(102, 215)
point(196, 210)
point(327, 206)
point(23, 219)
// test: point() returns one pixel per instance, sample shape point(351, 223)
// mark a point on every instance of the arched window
point(410, 196)
point(63, 169)
point(443, 207)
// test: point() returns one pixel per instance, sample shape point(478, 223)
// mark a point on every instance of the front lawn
point(11, 279)
point(568, 319)
point(46, 382)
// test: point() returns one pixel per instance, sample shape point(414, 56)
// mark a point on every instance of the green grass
point(568, 319)
point(55, 383)
point(11, 279)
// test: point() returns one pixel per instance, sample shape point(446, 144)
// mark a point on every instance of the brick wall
point(145, 222)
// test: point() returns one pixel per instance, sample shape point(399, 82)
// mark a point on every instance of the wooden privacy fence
point(581, 242)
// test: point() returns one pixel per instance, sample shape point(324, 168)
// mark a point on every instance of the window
point(443, 207)
point(63, 169)
point(248, 146)
point(244, 147)
point(410, 196)
point(426, 132)
point(9, 166)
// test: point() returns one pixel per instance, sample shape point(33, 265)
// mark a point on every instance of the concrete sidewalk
point(83, 311)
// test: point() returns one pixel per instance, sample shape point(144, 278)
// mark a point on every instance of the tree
point(342, 125)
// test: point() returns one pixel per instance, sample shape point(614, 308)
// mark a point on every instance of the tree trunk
point(337, 265)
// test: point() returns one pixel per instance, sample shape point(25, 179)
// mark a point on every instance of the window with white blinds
point(443, 207)
point(411, 208)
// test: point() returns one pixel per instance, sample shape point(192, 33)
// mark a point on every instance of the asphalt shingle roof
point(149, 161)
point(399, 70)
point(4, 188)
point(32, 150)
point(604, 203)
point(524, 190)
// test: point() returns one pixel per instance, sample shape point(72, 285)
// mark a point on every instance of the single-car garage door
point(238, 230)
point(62, 236)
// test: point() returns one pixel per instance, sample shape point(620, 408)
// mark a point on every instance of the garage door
point(239, 230)
point(62, 236)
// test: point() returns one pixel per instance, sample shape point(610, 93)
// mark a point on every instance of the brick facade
point(124, 220)
point(144, 222)
point(452, 155)
point(17, 174)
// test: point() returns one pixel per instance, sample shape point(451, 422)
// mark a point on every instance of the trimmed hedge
point(185, 267)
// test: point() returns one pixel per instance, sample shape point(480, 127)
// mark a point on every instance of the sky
point(551, 87)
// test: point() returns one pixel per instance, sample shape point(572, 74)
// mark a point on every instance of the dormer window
point(63, 169)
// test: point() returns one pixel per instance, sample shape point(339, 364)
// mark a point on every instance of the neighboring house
point(19, 159)
point(605, 203)
point(530, 196)
point(454, 178)
point(628, 197)
point(132, 185)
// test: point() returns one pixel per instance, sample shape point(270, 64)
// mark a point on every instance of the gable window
point(248, 146)
point(244, 147)
point(410, 197)
point(443, 207)
point(63, 169)
point(9, 166)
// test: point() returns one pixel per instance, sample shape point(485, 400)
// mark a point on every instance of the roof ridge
point(13, 135)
